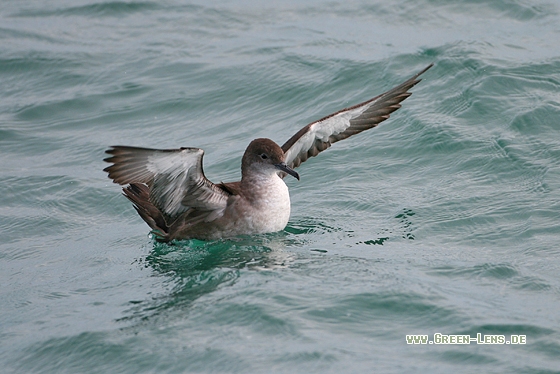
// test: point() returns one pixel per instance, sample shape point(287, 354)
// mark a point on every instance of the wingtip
point(423, 71)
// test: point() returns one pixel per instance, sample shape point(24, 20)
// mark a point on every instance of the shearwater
point(170, 192)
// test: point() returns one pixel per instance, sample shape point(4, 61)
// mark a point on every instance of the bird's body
point(170, 192)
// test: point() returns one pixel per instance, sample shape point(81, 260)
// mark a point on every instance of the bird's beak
point(286, 169)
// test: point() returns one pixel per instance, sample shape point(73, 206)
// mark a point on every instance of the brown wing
point(319, 135)
point(174, 177)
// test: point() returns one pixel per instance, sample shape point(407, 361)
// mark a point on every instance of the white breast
point(272, 210)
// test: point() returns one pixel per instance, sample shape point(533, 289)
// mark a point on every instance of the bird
point(170, 192)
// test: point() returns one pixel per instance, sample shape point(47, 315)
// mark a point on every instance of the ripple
point(109, 8)
point(498, 271)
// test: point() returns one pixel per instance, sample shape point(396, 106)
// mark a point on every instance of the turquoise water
point(445, 219)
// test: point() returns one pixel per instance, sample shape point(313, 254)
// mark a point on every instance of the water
point(445, 219)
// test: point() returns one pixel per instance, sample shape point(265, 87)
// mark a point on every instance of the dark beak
point(286, 169)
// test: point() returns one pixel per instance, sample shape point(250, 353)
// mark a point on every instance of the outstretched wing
point(174, 177)
point(318, 136)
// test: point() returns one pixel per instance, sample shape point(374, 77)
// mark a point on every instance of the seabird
point(170, 192)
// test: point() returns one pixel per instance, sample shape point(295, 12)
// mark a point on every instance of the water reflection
point(196, 268)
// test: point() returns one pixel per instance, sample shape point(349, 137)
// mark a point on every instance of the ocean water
point(444, 219)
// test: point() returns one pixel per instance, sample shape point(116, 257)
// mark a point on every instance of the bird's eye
point(264, 156)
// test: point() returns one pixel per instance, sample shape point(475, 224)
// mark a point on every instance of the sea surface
point(444, 219)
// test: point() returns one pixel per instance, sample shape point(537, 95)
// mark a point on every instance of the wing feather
point(320, 135)
point(174, 177)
